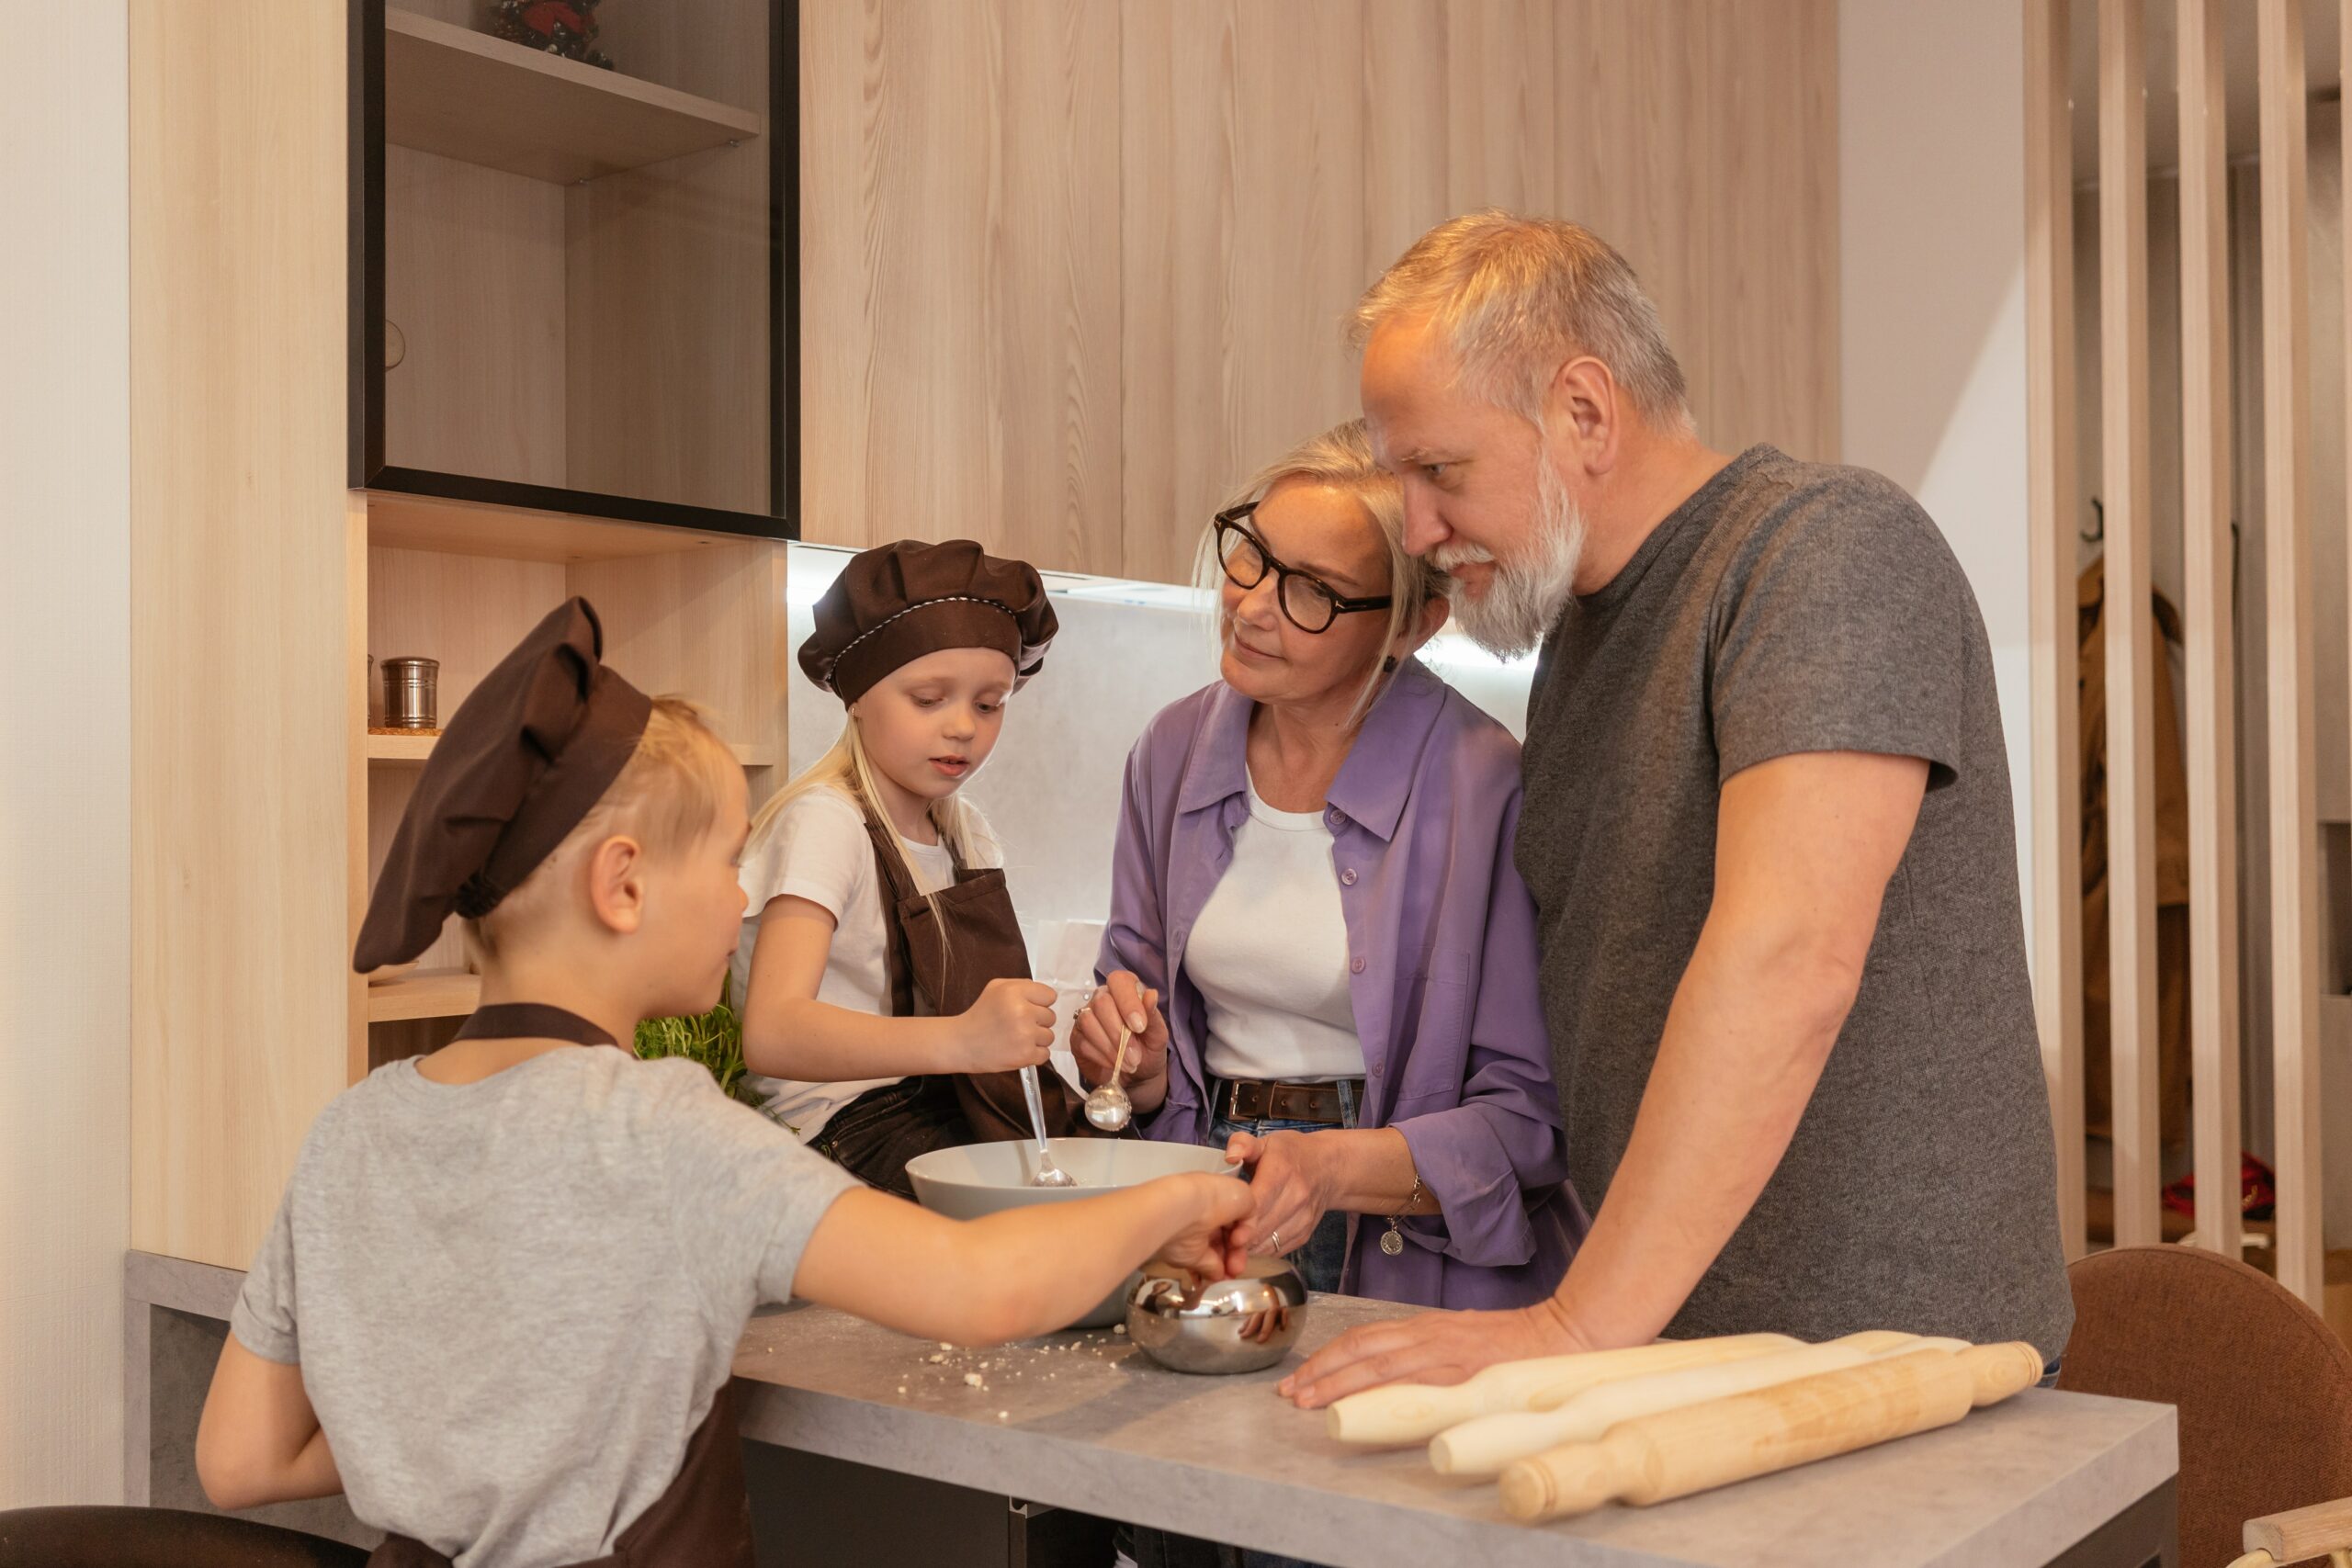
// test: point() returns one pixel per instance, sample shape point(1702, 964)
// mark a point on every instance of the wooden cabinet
point(1074, 268)
point(262, 581)
point(572, 286)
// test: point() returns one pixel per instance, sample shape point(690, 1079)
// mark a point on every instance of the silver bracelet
point(1393, 1243)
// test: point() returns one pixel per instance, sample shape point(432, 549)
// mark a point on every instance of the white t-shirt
point(817, 847)
point(1269, 955)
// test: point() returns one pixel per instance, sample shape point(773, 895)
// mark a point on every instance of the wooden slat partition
point(2051, 469)
point(2131, 672)
point(2294, 848)
point(2208, 630)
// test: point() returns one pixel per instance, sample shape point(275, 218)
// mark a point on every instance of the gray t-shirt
point(1791, 607)
point(513, 1301)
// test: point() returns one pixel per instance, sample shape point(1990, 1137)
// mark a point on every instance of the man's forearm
point(1745, 1043)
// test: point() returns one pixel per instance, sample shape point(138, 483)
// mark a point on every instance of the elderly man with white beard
point(1766, 824)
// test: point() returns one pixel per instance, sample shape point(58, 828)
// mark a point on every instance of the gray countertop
point(1083, 1421)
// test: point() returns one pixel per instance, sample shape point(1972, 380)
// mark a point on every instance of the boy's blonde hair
point(666, 797)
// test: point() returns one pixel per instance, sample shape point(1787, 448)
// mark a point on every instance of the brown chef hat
point(895, 603)
point(534, 747)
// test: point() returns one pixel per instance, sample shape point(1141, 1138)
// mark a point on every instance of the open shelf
point(427, 993)
point(401, 749)
point(464, 94)
point(410, 751)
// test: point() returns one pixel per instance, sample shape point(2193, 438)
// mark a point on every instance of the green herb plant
point(714, 1038)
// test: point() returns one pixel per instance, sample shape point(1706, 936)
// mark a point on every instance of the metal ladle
point(1108, 1107)
point(1047, 1173)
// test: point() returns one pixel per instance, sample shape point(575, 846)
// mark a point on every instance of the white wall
point(65, 762)
point(1932, 367)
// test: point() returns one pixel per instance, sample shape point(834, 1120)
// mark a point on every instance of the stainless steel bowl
point(1243, 1325)
point(972, 1179)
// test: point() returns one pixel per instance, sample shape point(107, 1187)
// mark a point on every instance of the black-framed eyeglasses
point(1308, 603)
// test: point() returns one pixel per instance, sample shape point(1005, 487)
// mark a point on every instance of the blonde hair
point(666, 795)
point(1341, 458)
point(847, 767)
point(1516, 297)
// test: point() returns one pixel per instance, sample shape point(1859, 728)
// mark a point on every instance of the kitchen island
point(1083, 1422)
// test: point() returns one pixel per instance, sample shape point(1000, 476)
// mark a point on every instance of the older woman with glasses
point(1317, 937)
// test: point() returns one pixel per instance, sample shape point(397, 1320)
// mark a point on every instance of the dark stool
point(160, 1537)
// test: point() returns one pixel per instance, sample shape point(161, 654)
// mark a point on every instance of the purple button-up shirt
point(1442, 971)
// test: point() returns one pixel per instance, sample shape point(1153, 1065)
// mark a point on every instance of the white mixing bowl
point(982, 1178)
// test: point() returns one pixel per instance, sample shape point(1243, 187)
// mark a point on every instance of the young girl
point(500, 1300)
point(885, 991)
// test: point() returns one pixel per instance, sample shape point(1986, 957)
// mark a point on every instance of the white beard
point(1524, 597)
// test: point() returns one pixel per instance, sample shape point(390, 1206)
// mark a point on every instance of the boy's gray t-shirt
point(512, 1301)
point(1792, 607)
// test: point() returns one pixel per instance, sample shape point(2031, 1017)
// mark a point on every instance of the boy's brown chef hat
point(528, 752)
point(894, 603)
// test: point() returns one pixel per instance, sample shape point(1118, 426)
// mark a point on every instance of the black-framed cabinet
point(573, 265)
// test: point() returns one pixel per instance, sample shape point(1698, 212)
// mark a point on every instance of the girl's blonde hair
point(666, 795)
point(1341, 458)
point(847, 767)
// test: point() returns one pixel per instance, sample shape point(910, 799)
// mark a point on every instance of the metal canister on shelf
point(411, 699)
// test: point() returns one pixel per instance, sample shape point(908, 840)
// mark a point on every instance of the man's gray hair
point(1516, 298)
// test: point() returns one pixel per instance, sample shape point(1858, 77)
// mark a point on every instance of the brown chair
point(2263, 1386)
point(159, 1538)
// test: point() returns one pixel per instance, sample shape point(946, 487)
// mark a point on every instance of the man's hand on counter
point(1434, 1347)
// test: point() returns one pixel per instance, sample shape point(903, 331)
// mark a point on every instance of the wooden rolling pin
point(1414, 1413)
point(1485, 1446)
point(1655, 1457)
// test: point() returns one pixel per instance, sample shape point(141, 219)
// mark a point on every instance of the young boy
point(501, 1297)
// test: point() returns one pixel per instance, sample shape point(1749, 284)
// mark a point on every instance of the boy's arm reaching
point(1010, 1275)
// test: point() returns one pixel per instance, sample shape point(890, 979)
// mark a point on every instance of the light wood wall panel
point(2294, 914)
point(1243, 203)
point(1772, 257)
point(241, 1020)
point(1638, 113)
point(2051, 461)
point(1223, 196)
point(961, 275)
point(2209, 621)
point(2131, 674)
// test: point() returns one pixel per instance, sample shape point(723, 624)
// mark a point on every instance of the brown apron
point(703, 1520)
point(947, 948)
point(705, 1516)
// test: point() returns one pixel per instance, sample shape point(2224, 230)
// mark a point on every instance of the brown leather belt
point(1249, 1100)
